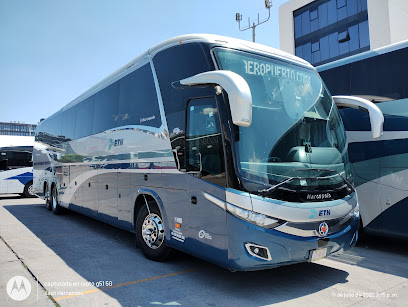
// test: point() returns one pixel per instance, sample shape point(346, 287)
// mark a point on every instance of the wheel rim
point(153, 231)
point(30, 189)
point(47, 195)
point(54, 200)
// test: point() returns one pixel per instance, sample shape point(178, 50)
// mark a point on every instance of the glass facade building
point(328, 30)
point(17, 129)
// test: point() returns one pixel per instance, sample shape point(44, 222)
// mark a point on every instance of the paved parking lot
point(73, 260)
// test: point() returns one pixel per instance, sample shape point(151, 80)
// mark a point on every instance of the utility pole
point(238, 17)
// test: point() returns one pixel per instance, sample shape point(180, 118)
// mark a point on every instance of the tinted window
point(342, 13)
point(106, 108)
point(341, 3)
point(380, 78)
point(307, 52)
point(332, 11)
point(314, 25)
point(334, 45)
point(324, 47)
point(50, 130)
point(351, 7)
point(54, 125)
point(172, 65)
point(298, 26)
point(344, 47)
point(69, 122)
point(323, 21)
point(16, 156)
point(316, 56)
point(138, 103)
point(305, 23)
point(84, 120)
point(204, 140)
point(354, 38)
point(364, 36)
point(364, 5)
point(326, 18)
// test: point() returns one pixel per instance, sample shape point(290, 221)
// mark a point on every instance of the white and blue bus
point(16, 170)
point(380, 166)
point(227, 150)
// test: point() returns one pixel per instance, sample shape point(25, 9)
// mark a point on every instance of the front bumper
point(283, 248)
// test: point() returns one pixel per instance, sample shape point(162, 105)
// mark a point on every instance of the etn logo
point(118, 142)
point(324, 212)
point(115, 143)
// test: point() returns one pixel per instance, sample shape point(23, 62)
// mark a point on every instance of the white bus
point(16, 167)
point(228, 150)
point(379, 166)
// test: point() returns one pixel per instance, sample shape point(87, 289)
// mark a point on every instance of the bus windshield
point(296, 131)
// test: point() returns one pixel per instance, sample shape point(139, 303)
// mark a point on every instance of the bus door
point(206, 179)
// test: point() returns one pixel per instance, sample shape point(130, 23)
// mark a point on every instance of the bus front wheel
point(150, 234)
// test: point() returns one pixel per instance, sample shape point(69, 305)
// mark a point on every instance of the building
point(321, 31)
point(17, 128)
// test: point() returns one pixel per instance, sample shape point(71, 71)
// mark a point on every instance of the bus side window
point(205, 155)
point(3, 165)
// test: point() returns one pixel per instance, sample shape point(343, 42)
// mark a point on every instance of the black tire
point(55, 207)
point(47, 198)
point(361, 235)
point(28, 189)
point(154, 247)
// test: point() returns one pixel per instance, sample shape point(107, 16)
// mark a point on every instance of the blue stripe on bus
point(354, 120)
point(23, 178)
point(363, 56)
point(379, 149)
point(391, 222)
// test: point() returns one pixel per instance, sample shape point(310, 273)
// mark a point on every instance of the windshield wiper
point(267, 191)
point(325, 170)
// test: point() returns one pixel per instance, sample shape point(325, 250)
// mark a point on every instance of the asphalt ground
point(73, 260)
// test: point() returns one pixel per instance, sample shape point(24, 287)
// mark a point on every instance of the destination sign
point(262, 68)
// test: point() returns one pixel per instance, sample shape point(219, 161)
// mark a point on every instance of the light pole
point(238, 17)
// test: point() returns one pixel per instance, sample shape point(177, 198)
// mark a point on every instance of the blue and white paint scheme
point(13, 181)
point(228, 150)
point(380, 166)
point(16, 171)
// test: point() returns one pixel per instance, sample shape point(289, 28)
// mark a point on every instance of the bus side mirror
point(237, 88)
point(376, 116)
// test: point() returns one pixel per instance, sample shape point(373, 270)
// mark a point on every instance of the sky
point(51, 51)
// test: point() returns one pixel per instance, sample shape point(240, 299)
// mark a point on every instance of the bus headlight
point(258, 219)
point(355, 212)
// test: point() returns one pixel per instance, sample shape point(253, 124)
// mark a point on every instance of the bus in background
point(225, 149)
point(380, 166)
point(16, 167)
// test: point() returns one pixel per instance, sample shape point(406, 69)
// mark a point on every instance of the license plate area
point(318, 254)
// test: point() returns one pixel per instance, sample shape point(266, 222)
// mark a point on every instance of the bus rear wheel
point(150, 234)
point(47, 198)
point(28, 189)
point(55, 207)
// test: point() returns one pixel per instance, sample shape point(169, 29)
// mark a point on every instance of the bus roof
point(363, 56)
point(14, 140)
point(188, 38)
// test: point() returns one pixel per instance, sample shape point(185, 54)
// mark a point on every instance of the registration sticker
point(318, 254)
